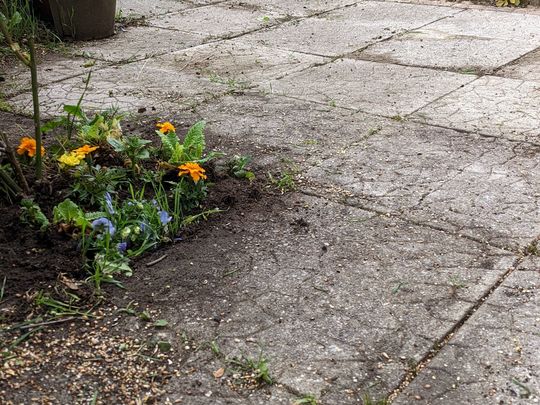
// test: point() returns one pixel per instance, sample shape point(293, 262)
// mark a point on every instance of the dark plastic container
point(84, 19)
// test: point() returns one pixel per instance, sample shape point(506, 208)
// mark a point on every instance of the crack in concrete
point(445, 340)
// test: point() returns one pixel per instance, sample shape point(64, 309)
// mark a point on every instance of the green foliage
point(132, 147)
point(307, 399)
point(238, 167)
point(92, 182)
point(69, 213)
point(285, 182)
point(191, 150)
point(32, 214)
point(507, 3)
point(257, 368)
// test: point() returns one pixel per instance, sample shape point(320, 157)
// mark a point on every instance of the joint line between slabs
point(441, 343)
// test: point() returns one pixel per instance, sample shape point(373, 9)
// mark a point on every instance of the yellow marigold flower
point(84, 150)
point(194, 170)
point(70, 159)
point(166, 127)
point(28, 146)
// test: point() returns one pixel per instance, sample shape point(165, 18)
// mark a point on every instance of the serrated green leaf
point(194, 142)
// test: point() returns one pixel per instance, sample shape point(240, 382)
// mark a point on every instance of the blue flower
point(144, 226)
point(103, 224)
point(122, 247)
point(164, 217)
point(109, 203)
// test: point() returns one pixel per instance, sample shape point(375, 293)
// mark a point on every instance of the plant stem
point(35, 99)
point(15, 164)
point(15, 47)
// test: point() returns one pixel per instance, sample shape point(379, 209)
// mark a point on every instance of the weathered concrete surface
point(490, 105)
point(221, 20)
point(481, 187)
point(136, 43)
point(53, 68)
point(430, 47)
point(135, 86)
point(296, 8)
point(341, 301)
point(360, 85)
point(525, 68)
point(398, 227)
point(494, 357)
point(145, 9)
point(351, 28)
point(238, 64)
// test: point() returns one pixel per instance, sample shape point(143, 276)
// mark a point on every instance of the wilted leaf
point(219, 372)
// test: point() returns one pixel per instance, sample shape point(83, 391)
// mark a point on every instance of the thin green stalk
point(35, 99)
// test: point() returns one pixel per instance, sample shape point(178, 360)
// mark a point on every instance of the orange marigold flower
point(194, 170)
point(84, 150)
point(166, 127)
point(28, 146)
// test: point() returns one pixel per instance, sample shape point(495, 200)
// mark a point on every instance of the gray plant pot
point(84, 19)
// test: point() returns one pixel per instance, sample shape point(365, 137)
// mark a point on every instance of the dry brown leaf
point(219, 372)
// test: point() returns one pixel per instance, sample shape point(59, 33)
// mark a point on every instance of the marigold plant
point(166, 127)
point(28, 146)
point(193, 169)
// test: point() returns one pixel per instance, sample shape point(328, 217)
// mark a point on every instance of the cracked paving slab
point(237, 64)
point(349, 29)
point(428, 47)
point(378, 88)
point(494, 357)
point(51, 68)
point(342, 301)
point(128, 87)
point(297, 8)
point(525, 68)
point(146, 9)
point(217, 21)
point(485, 188)
point(136, 43)
point(490, 105)
point(464, 41)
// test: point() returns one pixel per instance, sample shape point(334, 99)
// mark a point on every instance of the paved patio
point(415, 129)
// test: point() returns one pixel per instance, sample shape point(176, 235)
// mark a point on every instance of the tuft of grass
point(285, 182)
point(367, 400)
point(307, 399)
point(257, 368)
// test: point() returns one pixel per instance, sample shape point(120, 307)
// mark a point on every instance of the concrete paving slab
point(51, 68)
point(490, 105)
point(136, 43)
point(526, 68)
point(378, 88)
point(129, 87)
point(493, 24)
point(481, 187)
point(429, 47)
point(147, 9)
point(297, 8)
point(494, 356)
point(237, 64)
point(340, 305)
point(351, 28)
point(217, 21)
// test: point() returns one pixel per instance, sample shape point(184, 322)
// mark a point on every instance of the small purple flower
point(144, 226)
point(154, 202)
point(103, 224)
point(164, 217)
point(109, 203)
point(122, 247)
